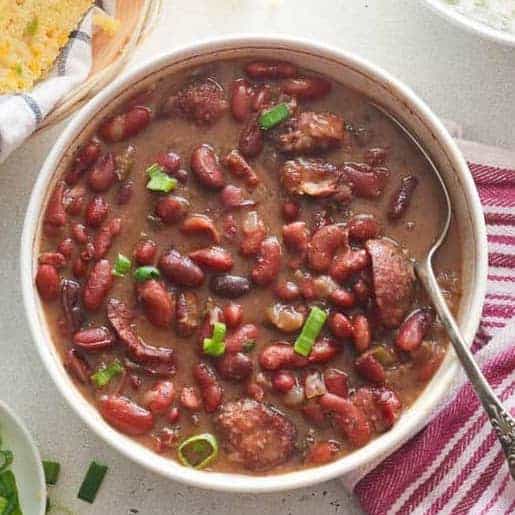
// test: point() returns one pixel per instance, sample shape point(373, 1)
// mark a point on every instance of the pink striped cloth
point(455, 464)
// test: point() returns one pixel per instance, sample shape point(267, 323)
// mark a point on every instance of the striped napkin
point(455, 464)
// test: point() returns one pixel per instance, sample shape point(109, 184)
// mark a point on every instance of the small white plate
point(26, 466)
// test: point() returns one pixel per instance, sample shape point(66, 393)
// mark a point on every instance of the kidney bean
point(234, 366)
point(103, 175)
point(366, 182)
point(255, 391)
point(125, 192)
point(347, 263)
point(370, 368)
point(160, 397)
point(314, 413)
point(104, 237)
point(52, 258)
point(336, 382)
point(229, 286)
point(230, 229)
point(290, 210)
point(79, 267)
point(427, 358)
point(323, 245)
point(363, 227)
point(241, 99)
point(270, 70)
point(125, 125)
point(283, 381)
point(250, 143)
point(125, 415)
point(94, 339)
point(268, 262)
point(70, 301)
point(232, 197)
point(77, 366)
point(281, 355)
point(173, 415)
point(239, 167)
point(287, 291)
point(88, 253)
point(322, 452)
point(361, 291)
point(306, 88)
point(98, 284)
point(206, 167)
point(79, 233)
point(323, 351)
point(200, 224)
point(414, 329)
point(342, 298)
point(210, 388)
point(213, 258)
point(351, 420)
point(157, 302)
point(55, 214)
point(340, 326)
point(96, 211)
point(170, 161)
point(190, 398)
point(361, 333)
point(389, 404)
point(285, 317)
point(233, 315)
point(145, 252)
point(401, 199)
point(180, 269)
point(172, 209)
point(262, 97)
point(66, 248)
point(236, 341)
point(254, 233)
point(296, 237)
point(376, 156)
point(165, 439)
point(306, 284)
point(47, 282)
point(86, 157)
point(75, 199)
point(187, 317)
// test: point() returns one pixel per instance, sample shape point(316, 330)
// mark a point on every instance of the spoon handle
point(501, 420)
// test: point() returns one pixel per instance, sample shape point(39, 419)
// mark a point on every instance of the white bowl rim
point(470, 24)
point(228, 481)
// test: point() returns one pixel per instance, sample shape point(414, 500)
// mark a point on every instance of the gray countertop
point(464, 79)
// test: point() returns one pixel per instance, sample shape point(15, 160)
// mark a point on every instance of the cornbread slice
point(32, 32)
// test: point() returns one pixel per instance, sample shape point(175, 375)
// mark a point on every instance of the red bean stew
point(224, 265)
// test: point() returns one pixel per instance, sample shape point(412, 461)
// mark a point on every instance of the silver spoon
point(501, 420)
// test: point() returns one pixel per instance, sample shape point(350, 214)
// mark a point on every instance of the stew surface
point(225, 268)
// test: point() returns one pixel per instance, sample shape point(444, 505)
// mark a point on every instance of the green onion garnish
point(144, 273)
point(3, 505)
point(274, 116)
point(310, 331)
point(6, 458)
point(215, 346)
point(9, 491)
point(198, 451)
point(122, 266)
point(105, 373)
point(159, 180)
point(51, 469)
point(92, 481)
point(31, 29)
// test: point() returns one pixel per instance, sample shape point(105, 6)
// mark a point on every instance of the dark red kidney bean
point(180, 269)
point(79, 233)
point(361, 333)
point(70, 301)
point(75, 199)
point(351, 420)
point(52, 258)
point(55, 214)
point(251, 140)
point(86, 157)
point(233, 315)
point(389, 404)
point(283, 381)
point(402, 197)
point(254, 232)
point(239, 167)
point(234, 366)
point(366, 182)
point(190, 398)
point(287, 290)
point(236, 341)
point(187, 314)
point(361, 291)
point(296, 237)
point(94, 338)
point(125, 192)
point(125, 125)
point(88, 253)
point(427, 358)
point(200, 224)
point(157, 302)
point(268, 262)
point(104, 237)
point(79, 267)
point(232, 197)
point(77, 366)
point(210, 388)
point(375, 156)
point(206, 167)
point(96, 211)
point(370, 368)
point(125, 415)
point(347, 263)
point(47, 282)
point(103, 175)
point(342, 298)
point(270, 70)
point(66, 248)
point(262, 97)
point(173, 415)
point(336, 381)
point(145, 252)
point(255, 391)
point(323, 351)
point(98, 284)
point(322, 452)
point(230, 228)
point(241, 99)
point(281, 355)
point(229, 286)
point(306, 88)
point(314, 413)
point(414, 329)
point(172, 209)
point(340, 326)
point(214, 258)
point(323, 246)
point(160, 397)
point(363, 227)
point(290, 210)
point(170, 161)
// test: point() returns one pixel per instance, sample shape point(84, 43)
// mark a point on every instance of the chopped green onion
point(198, 451)
point(32, 26)
point(3, 505)
point(215, 346)
point(6, 458)
point(92, 481)
point(248, 346)
point(144, 273)
point(51, 469)
point(274, 116)
point(160, 180)
point(219, 330)
point(105, 373)
point(122, 266)
point(310, 331)
point(9, 490)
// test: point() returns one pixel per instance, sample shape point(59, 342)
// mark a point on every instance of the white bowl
point(27, 466)
point(467, 22)
point(384, 90)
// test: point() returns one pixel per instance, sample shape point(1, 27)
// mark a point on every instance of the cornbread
point(32, 32)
